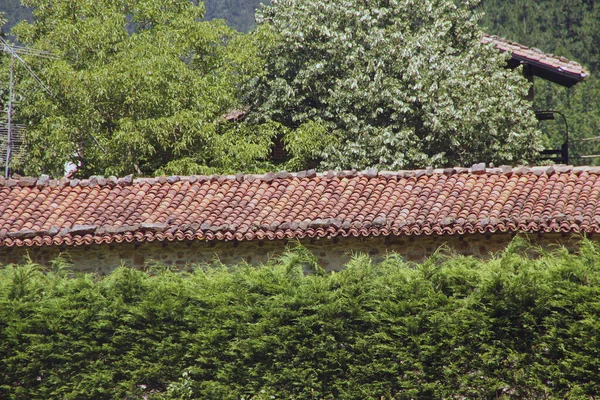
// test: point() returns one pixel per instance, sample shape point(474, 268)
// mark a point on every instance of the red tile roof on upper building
point(548, 66)
point(38, 212)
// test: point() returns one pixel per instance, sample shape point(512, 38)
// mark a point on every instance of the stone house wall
point(331, 253)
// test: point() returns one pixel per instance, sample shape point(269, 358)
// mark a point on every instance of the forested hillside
point(567, 28)
point(14, 12)
point(239, 14)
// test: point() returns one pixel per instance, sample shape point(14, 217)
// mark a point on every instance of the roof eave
point(556, 75)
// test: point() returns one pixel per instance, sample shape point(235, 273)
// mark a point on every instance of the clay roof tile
point(574, 71)
point(277, 206)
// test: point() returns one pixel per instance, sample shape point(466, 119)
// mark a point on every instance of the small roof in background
point(547, 66)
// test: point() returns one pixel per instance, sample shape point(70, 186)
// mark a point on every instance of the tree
point(139, 86)
point(393, 84)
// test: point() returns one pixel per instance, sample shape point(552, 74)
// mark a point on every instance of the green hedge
point(454, 327)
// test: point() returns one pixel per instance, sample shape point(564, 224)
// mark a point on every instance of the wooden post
point(528, 73)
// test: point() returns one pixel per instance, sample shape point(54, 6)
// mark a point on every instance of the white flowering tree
point(389, 83)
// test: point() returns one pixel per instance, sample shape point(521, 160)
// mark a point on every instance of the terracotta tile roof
point(538, 58)
point(36, 212)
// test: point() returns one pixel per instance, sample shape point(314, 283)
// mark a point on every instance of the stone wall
point(332, 253)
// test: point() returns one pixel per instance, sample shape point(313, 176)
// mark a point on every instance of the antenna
point(14, 51)
point(17, 137)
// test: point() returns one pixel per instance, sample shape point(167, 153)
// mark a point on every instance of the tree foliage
point(2, 23)
point(239, 14)
point(454, 327)
point(393, 84)
point(139, 86)
point(568, 29)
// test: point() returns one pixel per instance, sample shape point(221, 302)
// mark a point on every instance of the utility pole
point(10, 111)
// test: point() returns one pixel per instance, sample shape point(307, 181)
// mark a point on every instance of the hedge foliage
point(453, 327)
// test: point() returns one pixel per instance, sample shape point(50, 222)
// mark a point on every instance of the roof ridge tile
point(479, 168)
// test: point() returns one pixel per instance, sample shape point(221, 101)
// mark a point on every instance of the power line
point(33, 52)
point(589, 139)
